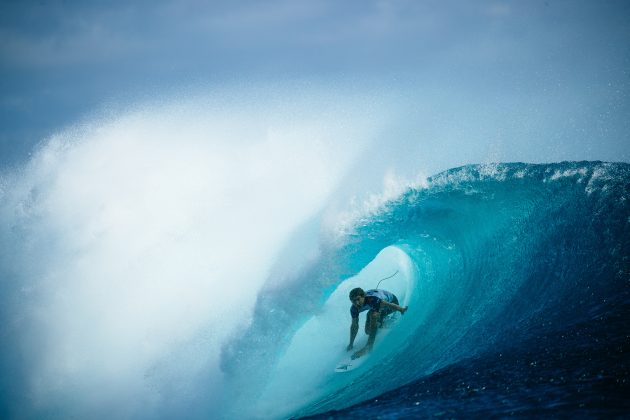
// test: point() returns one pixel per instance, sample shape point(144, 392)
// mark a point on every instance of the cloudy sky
point(63, 60)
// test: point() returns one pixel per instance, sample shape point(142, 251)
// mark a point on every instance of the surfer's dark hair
point(356, 292)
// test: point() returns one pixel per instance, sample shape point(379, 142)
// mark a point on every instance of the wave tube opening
point(305, 373)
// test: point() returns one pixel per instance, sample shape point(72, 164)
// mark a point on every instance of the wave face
point(501, 255)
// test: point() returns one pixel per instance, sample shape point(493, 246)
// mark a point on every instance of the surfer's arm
point(394, 306)
point(354, 328)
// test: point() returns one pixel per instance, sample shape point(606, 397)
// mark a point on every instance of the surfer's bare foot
point(360, 353)
point(404, 310)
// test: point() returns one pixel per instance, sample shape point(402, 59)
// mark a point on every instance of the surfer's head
point(357, 296)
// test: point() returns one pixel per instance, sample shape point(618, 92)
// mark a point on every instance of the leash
point(389, 277)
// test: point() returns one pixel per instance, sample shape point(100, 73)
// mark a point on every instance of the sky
point(64, 60)
point(157, 154)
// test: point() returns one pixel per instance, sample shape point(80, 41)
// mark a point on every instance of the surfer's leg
point(381, 318)
point(384, 314)
point(368, 322)
point(373, 316)
point(387, 312)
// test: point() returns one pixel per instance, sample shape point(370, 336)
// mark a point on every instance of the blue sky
point(62, 60)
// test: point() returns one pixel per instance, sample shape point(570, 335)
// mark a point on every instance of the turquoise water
point(502, 258)
point(119, 301)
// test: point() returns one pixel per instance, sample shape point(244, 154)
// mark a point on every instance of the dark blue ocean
point(520, 307)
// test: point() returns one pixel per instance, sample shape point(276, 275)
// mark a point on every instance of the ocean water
point(139, 281)
point(520, 304)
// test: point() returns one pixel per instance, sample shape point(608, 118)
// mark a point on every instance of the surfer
point(379, 303)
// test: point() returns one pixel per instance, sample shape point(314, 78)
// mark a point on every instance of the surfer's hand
point(350, 346)
point(403, 310)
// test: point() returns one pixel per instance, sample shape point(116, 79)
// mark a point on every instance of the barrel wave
point(520, 302)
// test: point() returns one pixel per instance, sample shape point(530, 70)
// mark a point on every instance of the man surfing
point(379, 303)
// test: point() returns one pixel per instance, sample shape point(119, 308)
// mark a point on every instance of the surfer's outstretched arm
point(394, 306)
point(354, 328)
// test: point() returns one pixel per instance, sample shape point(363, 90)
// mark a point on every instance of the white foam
point(141, 241)
point(343, 223)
